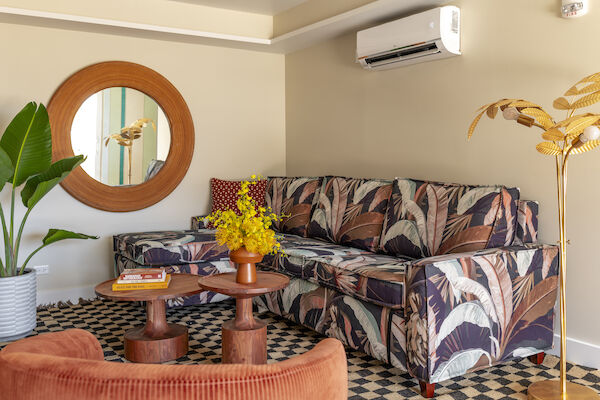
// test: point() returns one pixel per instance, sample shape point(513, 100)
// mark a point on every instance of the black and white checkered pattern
point(368, 378)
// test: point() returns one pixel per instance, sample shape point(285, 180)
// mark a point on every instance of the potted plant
point(26, 158)
point(248, 235)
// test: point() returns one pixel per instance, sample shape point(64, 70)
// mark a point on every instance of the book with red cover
point(143, 274)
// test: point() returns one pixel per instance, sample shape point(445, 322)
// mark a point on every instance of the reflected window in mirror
point(125, 135)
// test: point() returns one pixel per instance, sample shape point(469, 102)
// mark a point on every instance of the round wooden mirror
point(134, 127)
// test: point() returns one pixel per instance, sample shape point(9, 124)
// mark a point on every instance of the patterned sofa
point(433, 278)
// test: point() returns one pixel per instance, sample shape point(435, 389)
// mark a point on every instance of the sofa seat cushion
point(293, 198)
point(374, 278)
point(370, 277)
point(170, 247)
point(351, 211)
point(428, 218)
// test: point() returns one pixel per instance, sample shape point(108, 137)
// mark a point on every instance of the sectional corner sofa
point(436, 279)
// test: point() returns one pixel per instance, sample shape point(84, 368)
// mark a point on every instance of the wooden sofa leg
point(427, 389)
point(537, 358)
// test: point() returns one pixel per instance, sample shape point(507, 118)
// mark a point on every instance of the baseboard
point(69, 294)
point(579, 352)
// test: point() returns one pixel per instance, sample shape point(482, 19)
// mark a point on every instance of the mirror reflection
point(124, 134)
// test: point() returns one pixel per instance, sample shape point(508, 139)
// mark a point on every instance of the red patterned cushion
point(224, 194)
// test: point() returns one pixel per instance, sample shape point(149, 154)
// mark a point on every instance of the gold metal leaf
point(577, 126)
point(561, 104)
point(572, 91)
point(553, 134)
point(567, 121)
point(548, 148)
point(590, 145)
point(474, 124)
point(523, 103)
point(540, 115)
point(504, 102)
point(590, 78)
point(594, 87)
point(586, 101)
point(492, 111)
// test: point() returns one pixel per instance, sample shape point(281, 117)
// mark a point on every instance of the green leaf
point(28, 142)
point(6, 168)
point(39, 185)
point(56, 235)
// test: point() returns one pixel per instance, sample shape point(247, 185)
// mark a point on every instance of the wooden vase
point(245, 262)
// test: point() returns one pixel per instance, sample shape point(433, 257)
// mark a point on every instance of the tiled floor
point(369, 378)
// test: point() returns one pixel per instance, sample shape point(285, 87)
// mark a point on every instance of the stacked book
point(142, 278)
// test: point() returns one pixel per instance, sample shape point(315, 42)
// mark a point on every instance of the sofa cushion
point(293, 197)
point(170, 247)
point(351, 211)
point(428, 218)
point(224, 194)
point(527, 222)
point(374, 278)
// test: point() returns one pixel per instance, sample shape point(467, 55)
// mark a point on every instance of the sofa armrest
point(73, 343)
point(200, 222)
point(472, 310)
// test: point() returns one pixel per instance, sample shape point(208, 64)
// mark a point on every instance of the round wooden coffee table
point(157, 341)
point(244, 339)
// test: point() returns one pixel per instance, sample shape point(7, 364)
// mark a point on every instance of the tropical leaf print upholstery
point(292, 197)
point(351, 211)
point(427, 218)
point(361, 274)
point(527, 222)
point(374, 330)
point(463, 311)
point(473, 310)
point(170, 247)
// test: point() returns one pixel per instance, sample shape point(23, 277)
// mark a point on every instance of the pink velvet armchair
point(70, 365)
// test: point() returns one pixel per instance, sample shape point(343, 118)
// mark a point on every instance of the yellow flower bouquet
point(249, 235)
point(251, 229)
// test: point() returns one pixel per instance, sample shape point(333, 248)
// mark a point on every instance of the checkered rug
point(368, 378)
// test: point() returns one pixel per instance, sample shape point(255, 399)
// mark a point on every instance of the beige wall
point(237, 102)
point(175, 14)
point(413, 121)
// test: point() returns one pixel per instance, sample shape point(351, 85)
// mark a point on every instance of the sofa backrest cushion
point(429, 218)
point(294, 198)
point(351, 211)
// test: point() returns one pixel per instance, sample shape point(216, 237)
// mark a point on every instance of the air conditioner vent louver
point(415, 51)
point(427, 36)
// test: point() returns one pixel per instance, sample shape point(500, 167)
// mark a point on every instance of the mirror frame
point(69, 97)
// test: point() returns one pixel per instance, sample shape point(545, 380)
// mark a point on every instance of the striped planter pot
point(17, 306)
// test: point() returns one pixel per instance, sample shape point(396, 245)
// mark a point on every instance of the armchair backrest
point(27, 374)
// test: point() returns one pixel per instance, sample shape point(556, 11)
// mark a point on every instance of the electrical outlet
point(42, 269)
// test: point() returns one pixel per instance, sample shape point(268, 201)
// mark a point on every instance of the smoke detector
point(574, 9)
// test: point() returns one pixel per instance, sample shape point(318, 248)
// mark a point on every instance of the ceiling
point(267, 7)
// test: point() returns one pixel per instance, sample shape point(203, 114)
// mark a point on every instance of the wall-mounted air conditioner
point(427, 36)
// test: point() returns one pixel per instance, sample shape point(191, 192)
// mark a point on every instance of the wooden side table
point(244, 339)
point(157, 341)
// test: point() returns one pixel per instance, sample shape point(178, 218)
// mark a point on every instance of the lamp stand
point(561, 389)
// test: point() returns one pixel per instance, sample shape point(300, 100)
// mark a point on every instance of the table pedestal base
point(248, 346)
point(157, 341)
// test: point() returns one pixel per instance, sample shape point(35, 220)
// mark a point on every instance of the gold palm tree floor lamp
point(577, 134)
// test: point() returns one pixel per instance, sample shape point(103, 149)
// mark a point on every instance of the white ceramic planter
point(17, 306)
